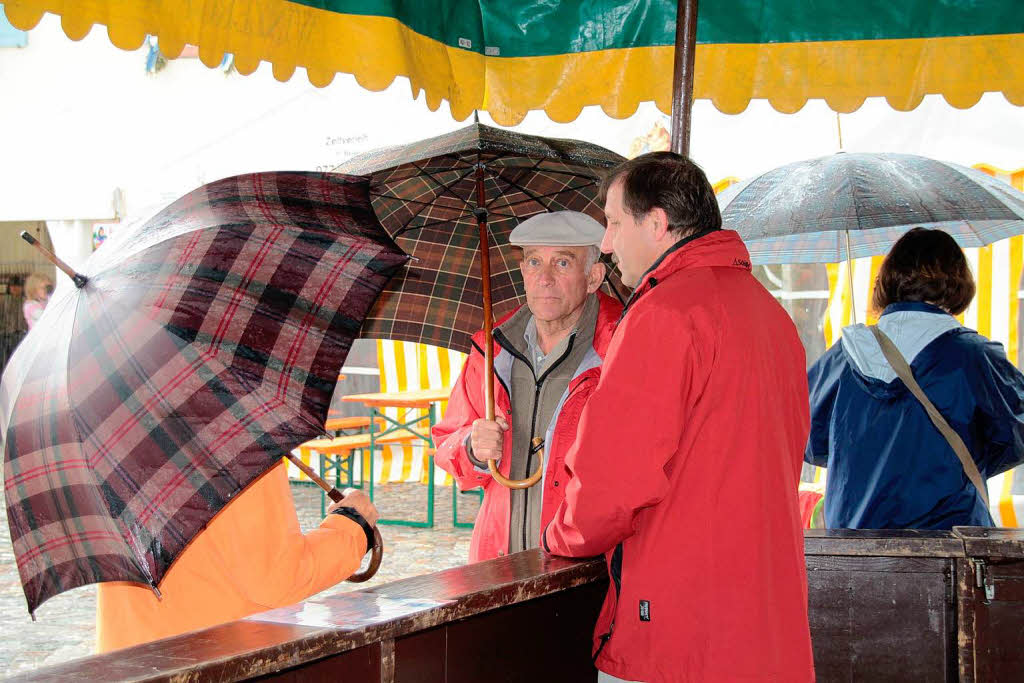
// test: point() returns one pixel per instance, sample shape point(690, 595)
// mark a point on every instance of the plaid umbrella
point(199, 349)
point(431, 197)
point(852, 205)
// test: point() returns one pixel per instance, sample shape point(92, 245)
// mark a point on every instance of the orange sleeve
point(251, 557)
point(292, 565)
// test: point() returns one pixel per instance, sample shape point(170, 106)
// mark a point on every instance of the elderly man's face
point(558, 280)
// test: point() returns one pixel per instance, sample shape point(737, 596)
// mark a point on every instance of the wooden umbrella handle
point(519, 483)
point(334, 494)
point(485, 286)
point(375, 559)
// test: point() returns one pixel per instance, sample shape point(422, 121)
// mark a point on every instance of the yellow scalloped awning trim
point(287, 35)
point(377, 49)
point(961, 69)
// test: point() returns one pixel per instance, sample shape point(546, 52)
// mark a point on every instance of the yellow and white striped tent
point(994, 313)
point(405, 366)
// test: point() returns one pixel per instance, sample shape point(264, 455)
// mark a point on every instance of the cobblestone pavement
point(64, 628)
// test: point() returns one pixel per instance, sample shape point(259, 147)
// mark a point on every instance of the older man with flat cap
point(547, 360)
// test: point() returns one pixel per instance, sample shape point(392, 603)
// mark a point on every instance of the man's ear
point(658, 223)
point(595, 277)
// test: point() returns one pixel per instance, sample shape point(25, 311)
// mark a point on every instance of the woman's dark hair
point(925, 265)
point(670, 182)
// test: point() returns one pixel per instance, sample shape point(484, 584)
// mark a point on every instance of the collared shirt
point(537, 357)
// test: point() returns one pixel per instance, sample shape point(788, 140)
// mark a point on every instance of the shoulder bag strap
point(899, 364)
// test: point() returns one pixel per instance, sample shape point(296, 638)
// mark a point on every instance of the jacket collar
point(919, 306)
point(722, 248)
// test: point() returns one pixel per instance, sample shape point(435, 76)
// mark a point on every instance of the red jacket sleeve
point(450, 434)
point(629, 432)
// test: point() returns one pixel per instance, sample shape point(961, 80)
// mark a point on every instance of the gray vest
point(536, 396)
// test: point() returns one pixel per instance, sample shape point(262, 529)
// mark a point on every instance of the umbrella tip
point(79, 279)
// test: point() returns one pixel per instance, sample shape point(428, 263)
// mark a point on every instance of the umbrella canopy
point(203, 347)
point(426, 196)
point(810, 211)
point(514, 56)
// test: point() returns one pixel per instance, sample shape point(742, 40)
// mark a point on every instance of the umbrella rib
point(555, 171)
point(537, 198)
point(409, 228)
point(415, 164)
point(446, 189)
point(516, 185)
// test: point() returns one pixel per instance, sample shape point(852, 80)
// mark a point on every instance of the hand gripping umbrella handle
point(485, 284)
point(334, 494)
point(520, 483)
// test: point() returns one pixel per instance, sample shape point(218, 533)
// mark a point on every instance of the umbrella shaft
point(849, 277)
point(79, 280)
point(332, 493)
point(485, 286)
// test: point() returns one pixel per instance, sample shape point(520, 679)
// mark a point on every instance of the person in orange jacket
point(250, 558)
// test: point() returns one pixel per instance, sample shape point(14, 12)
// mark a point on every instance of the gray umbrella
point(846, 206)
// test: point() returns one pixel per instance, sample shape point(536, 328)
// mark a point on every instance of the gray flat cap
point(558, 229)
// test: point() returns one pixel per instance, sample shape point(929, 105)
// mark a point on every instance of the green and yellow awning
point(511, 56)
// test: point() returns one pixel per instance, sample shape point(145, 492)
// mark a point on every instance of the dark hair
point(925, 265)
point(670, 182)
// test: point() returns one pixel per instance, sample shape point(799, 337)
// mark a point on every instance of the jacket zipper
point(615, 570)
point(538, 382)
point(496, 375)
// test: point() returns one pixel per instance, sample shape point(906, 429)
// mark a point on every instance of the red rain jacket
point(685, 475)
point(490, 533)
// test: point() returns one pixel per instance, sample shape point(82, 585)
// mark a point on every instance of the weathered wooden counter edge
point(328, 625)
point(896, 584)
point(883, 543)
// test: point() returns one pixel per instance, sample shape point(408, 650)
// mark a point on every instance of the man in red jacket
point(686, 467)
point(547, 358)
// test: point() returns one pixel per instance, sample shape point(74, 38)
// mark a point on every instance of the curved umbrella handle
point(485, 283)
point(520, 483)
point(334, 494)
point(376, 556)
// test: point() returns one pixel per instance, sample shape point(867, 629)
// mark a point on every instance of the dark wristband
point(354, 515)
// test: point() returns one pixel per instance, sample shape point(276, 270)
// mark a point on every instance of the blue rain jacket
point(888, 466)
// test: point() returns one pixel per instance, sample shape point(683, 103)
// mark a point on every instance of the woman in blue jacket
point(888, 465)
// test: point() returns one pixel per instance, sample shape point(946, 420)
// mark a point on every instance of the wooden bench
point(344, 445)
point(353, 422)
point(337, 455)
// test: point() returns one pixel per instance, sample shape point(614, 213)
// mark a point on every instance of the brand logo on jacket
point(645, 610)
